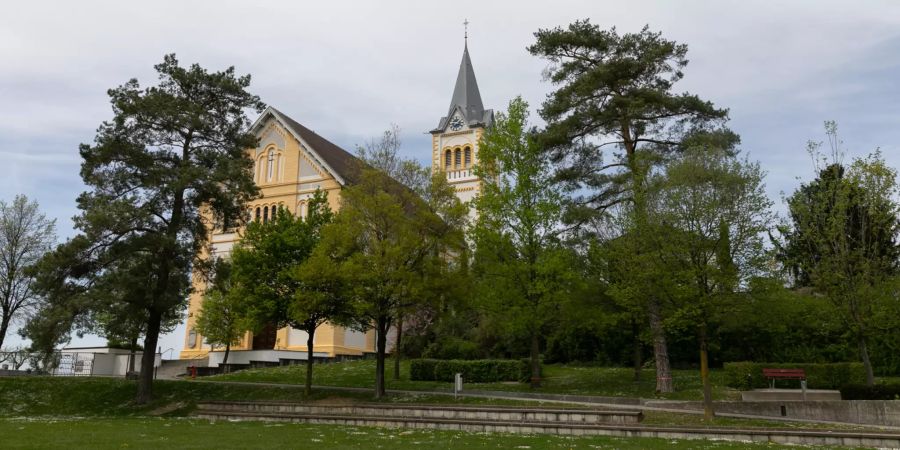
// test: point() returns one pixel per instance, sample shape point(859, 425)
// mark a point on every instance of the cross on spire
point(466, 30)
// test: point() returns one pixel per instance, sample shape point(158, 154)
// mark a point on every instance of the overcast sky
point(349, 69)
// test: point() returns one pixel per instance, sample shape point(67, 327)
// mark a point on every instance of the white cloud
point(348, 69)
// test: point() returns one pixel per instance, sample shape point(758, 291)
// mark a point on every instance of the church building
point(290, 163)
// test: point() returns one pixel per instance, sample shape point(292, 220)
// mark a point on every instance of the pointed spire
point(465, 94)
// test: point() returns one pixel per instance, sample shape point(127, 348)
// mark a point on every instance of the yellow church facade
point(291, 162)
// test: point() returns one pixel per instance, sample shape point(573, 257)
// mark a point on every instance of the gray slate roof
point(466, 98)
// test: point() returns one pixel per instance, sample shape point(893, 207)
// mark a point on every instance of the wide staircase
point(468, 418)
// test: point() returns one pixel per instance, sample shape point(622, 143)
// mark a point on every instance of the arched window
point(301, 210)
point(457, 161)
point(468, 156)
point(447, 159)
point(265, 214)
point(270, 168)
point(257, 213)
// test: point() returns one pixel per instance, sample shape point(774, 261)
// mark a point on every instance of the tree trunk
point(4, 327)
point(397, 347)
point(708, 412)
point(133, 354)
point(660, 349)
point(535, 359)
point(864, 355)
point(636, 354)
point(310, 337)
point(227, 351)
point(380, 351)
point(148, 359)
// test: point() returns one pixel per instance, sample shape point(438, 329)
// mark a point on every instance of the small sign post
point(457, 384)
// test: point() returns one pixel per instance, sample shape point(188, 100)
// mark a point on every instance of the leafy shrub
point(876, 392)
point(473, 371)
point(452, 348)
point(748, 375)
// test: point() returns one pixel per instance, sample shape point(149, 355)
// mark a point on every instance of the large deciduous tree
point(383, 153)
point(25, 235)
point(711, 213)
point(614, 112)
point(390, 247)
point(841, 239)
point(523, 269)
point(170, 153)
point(222, 319)
point(268, 279)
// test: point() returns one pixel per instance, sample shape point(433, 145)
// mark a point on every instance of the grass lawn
point(156, 433)
point(558, 379)
point(77, 396)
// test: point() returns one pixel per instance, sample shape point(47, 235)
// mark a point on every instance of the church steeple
point(455, 141)
point(466, 97)
point(465, 94)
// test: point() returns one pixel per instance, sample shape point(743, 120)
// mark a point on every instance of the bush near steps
point(748, 375)
point(473, 371)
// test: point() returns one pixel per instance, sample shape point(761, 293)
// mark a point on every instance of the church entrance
point(265, 339)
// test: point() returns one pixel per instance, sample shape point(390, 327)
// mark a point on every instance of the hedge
point(748, 375)
point(473, 371)
point(876, 392)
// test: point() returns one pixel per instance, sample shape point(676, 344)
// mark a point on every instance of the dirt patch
point(166, 409)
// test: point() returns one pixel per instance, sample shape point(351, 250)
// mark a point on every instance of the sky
point(350, 69)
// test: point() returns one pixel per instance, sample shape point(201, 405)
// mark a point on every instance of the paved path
point(582, 400)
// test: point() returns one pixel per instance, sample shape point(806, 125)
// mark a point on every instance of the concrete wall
point(869, 412)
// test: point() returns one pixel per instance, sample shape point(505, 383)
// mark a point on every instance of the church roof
point(341, 163)
point(466, 97)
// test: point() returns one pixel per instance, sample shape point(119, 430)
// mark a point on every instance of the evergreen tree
point(612, 116)
point(171, 152)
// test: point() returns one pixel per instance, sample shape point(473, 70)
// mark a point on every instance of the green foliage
point(222, 318)
point(389, 250)
point(842, 238)
point(523, 270)
point(874, 392)
point(748, 375)
point(266, 261)
point(172, 158)
point(452, 347)
point(619, 89)
point(473, 371)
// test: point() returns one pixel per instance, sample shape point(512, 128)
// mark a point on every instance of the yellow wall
point(288, 190)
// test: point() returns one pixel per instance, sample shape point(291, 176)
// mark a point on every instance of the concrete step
point(426, 412)
point(408, 422)
point(802, 437)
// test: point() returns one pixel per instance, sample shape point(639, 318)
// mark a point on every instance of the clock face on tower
point(456, 124)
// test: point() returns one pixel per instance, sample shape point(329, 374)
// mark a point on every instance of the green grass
point(558, 379)
point(156, 433)
point(113, 397)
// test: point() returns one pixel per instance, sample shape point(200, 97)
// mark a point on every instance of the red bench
point(784, 374)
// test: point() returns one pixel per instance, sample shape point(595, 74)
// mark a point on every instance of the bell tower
point(455, 140)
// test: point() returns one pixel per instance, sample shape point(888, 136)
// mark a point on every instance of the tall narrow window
point(468, 156)
point(265, 214)
point(447, 160)
point(257, 213)
point(458, 159)
point(270, 168)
